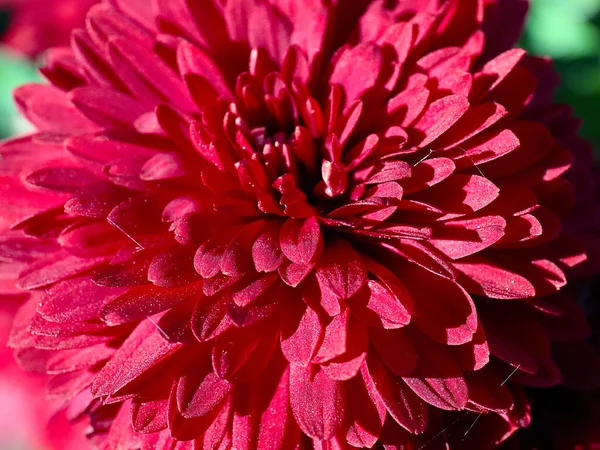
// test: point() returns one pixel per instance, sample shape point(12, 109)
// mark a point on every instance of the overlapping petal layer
point(284, 224)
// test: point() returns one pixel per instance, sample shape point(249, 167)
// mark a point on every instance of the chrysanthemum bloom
point(293, 224)
point(36, 25)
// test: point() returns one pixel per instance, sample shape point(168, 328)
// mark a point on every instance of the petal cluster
point(294, 224)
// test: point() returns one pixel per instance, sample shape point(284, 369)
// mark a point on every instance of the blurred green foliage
point(566, 30)
point(14, 71)
point(569, 32)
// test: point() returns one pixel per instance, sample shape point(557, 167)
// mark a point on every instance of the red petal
point(385, 307)
point(200, 393)
point(460, 194)
point(357, 70)
point(460, 238)
point(318, 402)
point(143, 349)
point(55, 268)
point(301, 332)
point(495, 71)
point(209, 317)
point(444, 311)
point(347, 365)
point(76, 299)
point(438, 118)
point(401, 402)
point(173, 268)
point(408, 105)
point(192, 60)
point(109, 109)
point(49, 109)
point(237, 258)
point(266, 252)
point(141, 302)
point(473, 122)
point(512, 278)
point(485, 147)
point(535, 143)
point(149, 416)
point(278, 428)
point(428, 173)
point(367, 415)
point(395, 349)
point(248, 290)
point(23, 249)
point(336, 336)
point(163, 166)
point(475, 354)
point(301, 240)
point(341, 269)
point(269, 29)
point(157, 75)
point(293, 274)
point(515, 336)
point(240, 354)
point(438, 380)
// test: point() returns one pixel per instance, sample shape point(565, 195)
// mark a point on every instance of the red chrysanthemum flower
point(294, 224)
point(36, 25)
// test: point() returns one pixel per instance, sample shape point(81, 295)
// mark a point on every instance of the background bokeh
point(566, 30)
point(569, 32)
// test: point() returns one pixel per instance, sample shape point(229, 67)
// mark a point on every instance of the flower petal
point(318, 402)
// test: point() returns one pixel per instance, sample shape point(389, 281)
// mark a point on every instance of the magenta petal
point(438, 380)
point(141, 302)
point(341, 269)
point(318, 402)
point(301, 333)
point(172, 269)
point(198, 394)
point(301, 240)
point(395, 349)
point(347, 365)
point(278, 427)
point(521, 280)
point(266, 252)
point(461, 238)
point(368, 415)
point(149, 416)
point(241, 354)
point(75, 299)
point(463, 194)
point(384, 307)
point(357, 69)
point(55, 268)
point(439, 117)
point(405, 407)
point(275, 39)
point(110, 109)
point(143, 349)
